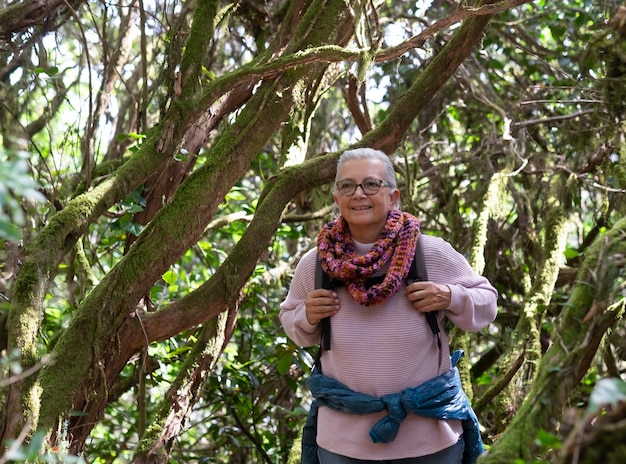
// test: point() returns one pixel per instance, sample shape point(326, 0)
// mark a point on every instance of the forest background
point(166, 164)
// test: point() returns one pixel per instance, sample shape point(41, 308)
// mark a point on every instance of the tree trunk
point(175, 228)
point(585, 320)
point(524, 352)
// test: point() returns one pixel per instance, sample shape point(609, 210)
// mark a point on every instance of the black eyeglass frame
point(366, 190)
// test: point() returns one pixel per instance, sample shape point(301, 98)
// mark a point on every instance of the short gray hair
point(389, 173)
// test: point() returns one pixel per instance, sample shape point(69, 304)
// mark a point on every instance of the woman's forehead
point(361, 168)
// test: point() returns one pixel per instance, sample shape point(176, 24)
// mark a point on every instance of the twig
point(28, 372)
point(18, 442)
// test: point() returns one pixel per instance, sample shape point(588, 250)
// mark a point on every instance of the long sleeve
point(292, 310)
point(473, 299)
point(387, 348)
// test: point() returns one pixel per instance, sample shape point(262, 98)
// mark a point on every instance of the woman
point(381, 343)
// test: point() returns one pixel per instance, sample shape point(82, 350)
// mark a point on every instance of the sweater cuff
point(457, 296)
point(303, 323)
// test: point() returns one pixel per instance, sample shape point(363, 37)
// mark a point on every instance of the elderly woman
point(386, 389)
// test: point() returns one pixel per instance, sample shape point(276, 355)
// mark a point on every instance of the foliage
point(17, 194)
point(33, 453)
point(607, 392)
point(182, 154)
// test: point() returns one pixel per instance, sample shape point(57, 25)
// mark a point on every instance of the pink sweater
point(386, 348)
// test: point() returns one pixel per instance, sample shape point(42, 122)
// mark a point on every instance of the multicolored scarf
point(395, 246)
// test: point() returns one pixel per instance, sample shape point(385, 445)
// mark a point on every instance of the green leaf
point(36, 442)
point(484, 379)
point(9, 231)
point(134, 135)
point(547, 440)
point(284, 362)
point(607, 392)
point(170, 277)
point(135, 209)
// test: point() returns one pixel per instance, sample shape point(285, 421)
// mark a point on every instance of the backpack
point(417, 273)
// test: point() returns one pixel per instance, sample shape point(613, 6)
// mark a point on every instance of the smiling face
point(365, 214)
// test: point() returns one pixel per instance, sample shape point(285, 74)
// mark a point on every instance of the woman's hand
point(428, 296)
point(321, 303)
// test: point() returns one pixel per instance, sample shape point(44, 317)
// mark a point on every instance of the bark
point(597, 438)
point(112, 70)
point(525, 349)
point(591, 310)
point(19, 17)
point(156, 444)
point(491, 208)
point(176, 227)
point(49, 248)
point(284, 188)
point(388, 134)
point(278, 192)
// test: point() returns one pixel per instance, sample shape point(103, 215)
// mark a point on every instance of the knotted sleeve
point(440, 398)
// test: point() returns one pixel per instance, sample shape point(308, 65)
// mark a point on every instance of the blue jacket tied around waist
point(440, 398)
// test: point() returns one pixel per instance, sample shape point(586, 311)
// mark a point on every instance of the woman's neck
point(365, 234)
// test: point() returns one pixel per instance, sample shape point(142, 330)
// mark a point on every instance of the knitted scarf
point(395, 247)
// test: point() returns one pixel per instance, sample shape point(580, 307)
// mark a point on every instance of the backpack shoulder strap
point(418, 273)
point(323, 280)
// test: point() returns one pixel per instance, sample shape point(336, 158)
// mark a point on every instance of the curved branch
point(256, 70)
point(460, 14)
point(104, 314)
point(18, 17)
point(211, 298)
point(388, 135)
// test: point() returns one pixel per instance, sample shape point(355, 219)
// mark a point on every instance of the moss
point(493, 205)
point(23, 328)
point(200, 36)
point(150, 438)
point(576, 346)
point(295, 454)
point(72, 363)
point(614, 84)
point(30, 401)
point(24, 288)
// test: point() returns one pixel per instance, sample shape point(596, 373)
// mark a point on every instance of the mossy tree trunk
point(519, 360)
point(587, 317)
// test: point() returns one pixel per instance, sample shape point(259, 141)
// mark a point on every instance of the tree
point(184, 154)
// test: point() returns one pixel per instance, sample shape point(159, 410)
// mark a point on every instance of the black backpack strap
point(418, 273)
point(323, 280)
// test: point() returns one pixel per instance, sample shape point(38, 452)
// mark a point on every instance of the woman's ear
point(395, 197)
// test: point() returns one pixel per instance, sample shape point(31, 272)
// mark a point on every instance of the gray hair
point(389, 173)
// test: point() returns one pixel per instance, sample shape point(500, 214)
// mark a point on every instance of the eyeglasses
point(370, 186)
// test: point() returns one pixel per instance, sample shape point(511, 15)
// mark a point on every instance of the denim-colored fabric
point(450, 455)
point(440, 398)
